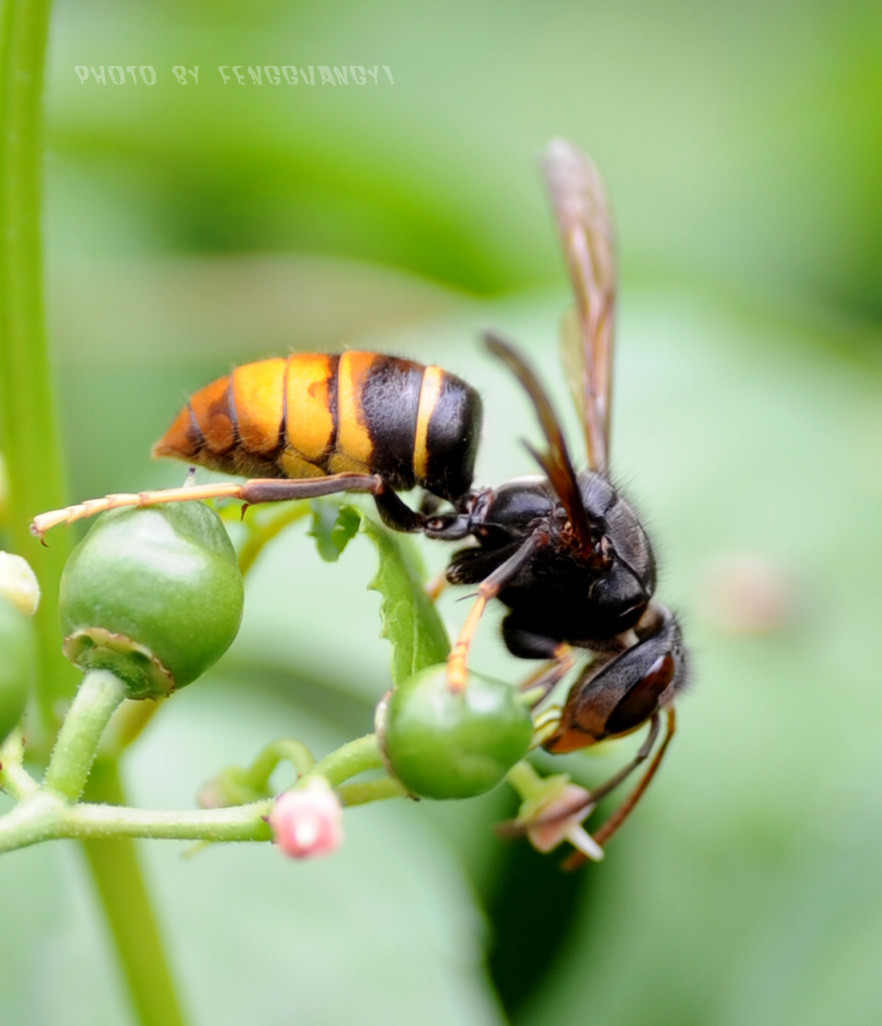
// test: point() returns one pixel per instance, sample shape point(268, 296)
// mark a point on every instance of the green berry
point(18, 658)
point(442, 742)
point(153, 594)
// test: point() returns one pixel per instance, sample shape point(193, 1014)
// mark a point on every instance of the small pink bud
point(308, 820)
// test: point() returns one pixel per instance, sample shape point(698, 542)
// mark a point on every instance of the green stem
point(29, 431)
point(361, 793)
point(526, 781)
point(238, 823)
point(14, 778)
point(46, 816)
point(122, 889)
point(283, 750)
point(349, 760)
point(236, 785)
point(99, 696)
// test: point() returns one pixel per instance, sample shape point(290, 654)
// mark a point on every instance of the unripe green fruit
point(446, 743)
point(18, 657)
point(153, 594)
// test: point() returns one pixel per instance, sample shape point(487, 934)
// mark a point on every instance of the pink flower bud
point(561, 820)
point(308, 820)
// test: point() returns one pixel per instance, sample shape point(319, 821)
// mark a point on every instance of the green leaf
point(333, 527)
point(410, 620)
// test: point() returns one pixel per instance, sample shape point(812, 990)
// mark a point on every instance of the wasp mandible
point(564, 551)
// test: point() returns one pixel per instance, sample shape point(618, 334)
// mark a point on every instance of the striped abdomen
point(314, 414)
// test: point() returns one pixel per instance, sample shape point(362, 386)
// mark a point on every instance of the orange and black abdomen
point(314, 414)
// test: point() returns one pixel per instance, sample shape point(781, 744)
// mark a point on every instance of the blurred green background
point(190, 227)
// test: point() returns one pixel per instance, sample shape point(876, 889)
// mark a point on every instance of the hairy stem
point(98, 698)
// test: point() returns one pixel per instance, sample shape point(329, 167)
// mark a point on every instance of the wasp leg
point(435, 588)
point(597, 793)
point(607, 830)
point(43, 522)
point(457, 670)
point(394, 512)
point(540, 684)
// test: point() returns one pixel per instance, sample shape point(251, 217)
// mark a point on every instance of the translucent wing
point(572, 358)
point(555, 461)
point(586, 231)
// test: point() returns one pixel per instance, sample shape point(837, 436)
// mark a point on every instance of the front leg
point(489, 588)
point(394, 512)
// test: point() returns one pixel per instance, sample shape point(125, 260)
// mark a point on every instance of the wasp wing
point(556, 462)
point(572, 358)
point(585, 225)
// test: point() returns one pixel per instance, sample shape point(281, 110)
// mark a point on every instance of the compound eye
point(641, 701)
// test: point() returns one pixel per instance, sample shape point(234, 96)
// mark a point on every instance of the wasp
point(564, 551)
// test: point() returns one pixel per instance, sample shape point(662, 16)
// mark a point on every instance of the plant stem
point(525, 780)
point(98, 698)
point(46, 816)
point(14, 778)
point(349, 760)
point(28, 425)
point(284, 750)
point(236, 823)
point(370, 791)
point(119, 880)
